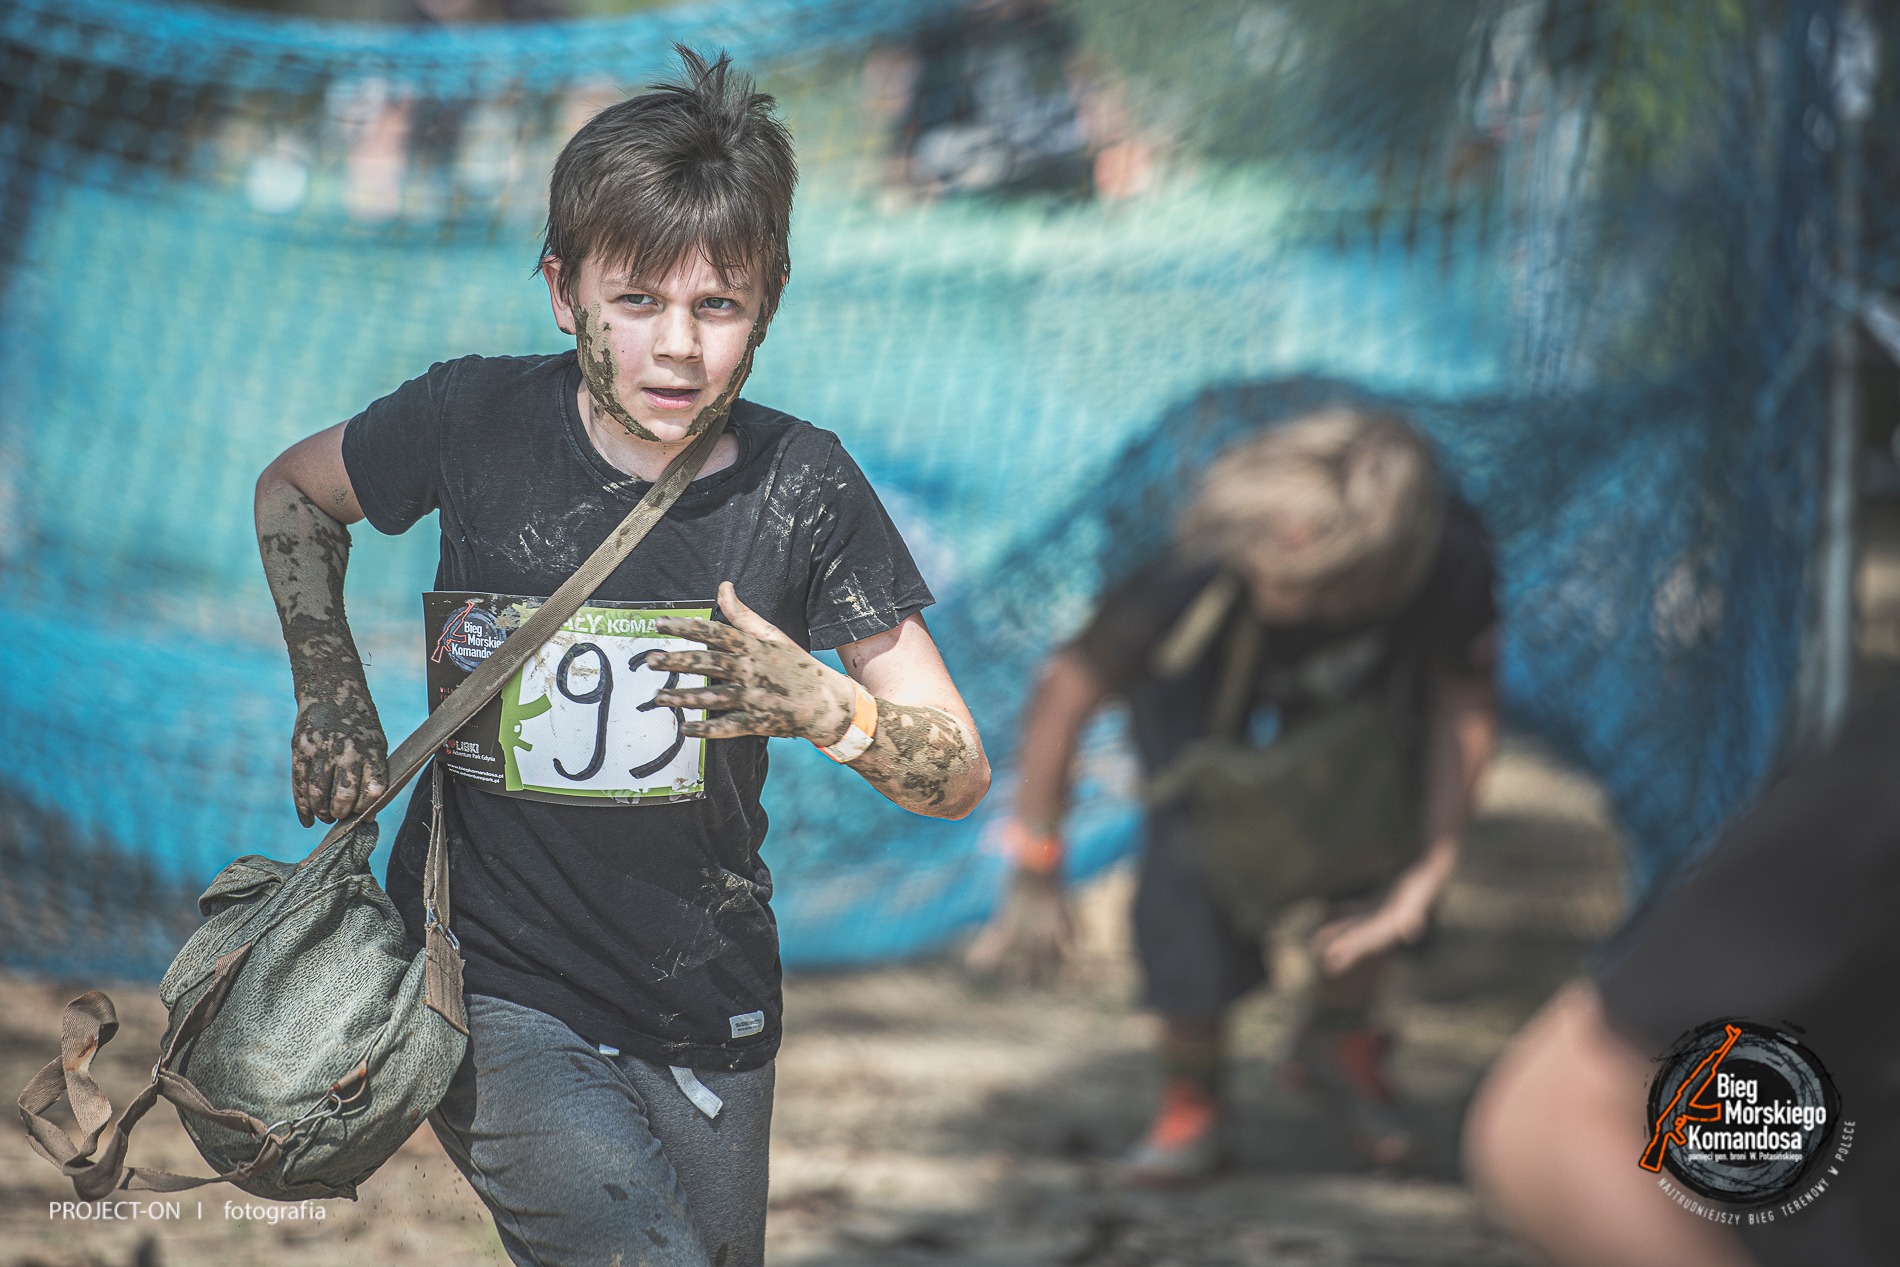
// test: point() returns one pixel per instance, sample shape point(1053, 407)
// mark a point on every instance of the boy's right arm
point(339, 755)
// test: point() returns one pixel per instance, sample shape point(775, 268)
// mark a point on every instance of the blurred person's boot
point(1349, 1065)
point(1182, 1145)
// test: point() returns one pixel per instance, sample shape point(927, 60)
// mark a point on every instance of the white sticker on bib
point(577, 723)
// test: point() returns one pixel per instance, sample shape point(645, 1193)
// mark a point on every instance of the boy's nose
point(677, 338)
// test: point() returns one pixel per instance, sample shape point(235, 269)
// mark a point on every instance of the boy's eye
point(637, 299)
point(719, 304)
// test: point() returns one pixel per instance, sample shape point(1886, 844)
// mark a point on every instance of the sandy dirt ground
point(924, 1118)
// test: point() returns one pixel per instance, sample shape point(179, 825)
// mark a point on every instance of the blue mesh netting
point(1045, 264)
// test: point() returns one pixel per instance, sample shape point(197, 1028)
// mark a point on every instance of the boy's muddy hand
point(762, 683)
point(338, 760)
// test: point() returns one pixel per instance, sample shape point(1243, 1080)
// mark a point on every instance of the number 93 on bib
point(577, 724)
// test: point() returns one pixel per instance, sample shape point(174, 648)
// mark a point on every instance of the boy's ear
point(557, 297)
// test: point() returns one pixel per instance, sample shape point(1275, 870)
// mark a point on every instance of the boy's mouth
point(670, 397)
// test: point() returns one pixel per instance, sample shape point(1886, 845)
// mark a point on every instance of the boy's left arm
point(925, 753)
point(1461, 732)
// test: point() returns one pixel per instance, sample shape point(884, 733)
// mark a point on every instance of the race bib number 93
point(577, 724)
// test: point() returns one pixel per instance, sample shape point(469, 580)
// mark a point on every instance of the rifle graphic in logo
point(454, 633)
point(1670, 1123)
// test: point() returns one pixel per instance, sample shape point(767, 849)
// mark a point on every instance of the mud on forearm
point(337, 746)
point(924, 760)
point(306, 554)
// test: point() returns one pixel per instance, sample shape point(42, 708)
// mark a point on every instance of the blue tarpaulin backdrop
point(1583, 244)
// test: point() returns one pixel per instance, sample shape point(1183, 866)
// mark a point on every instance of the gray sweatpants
point(589, 1158)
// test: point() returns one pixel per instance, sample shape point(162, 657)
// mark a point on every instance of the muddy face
point(661, 356)
point(596, 352)
point(734, 383)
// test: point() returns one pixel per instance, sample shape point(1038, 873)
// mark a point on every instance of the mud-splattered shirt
point(646, 927)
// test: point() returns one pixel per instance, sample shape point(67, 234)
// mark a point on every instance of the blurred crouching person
point(1309, 678)
point(1788, 922)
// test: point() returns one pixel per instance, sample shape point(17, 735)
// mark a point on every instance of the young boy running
point(622, 971)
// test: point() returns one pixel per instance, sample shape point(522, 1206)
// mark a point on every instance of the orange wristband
point(857, 740)
point(1036, 852)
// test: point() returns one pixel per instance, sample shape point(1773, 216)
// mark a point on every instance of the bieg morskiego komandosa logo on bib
point(1742, 1114)
point(469, 636)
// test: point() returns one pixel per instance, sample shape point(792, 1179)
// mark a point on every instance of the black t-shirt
point(645, 927)
point(1448, 628)
point(1790, 919)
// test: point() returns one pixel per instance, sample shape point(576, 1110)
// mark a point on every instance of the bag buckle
point(357, 1080)
point(343, 1093)
point(432, 921)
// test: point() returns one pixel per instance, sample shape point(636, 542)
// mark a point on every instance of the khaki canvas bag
point(1328, 810)
point(306, 1043)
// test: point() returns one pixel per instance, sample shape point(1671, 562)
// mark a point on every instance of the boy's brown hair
point(697, 163)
